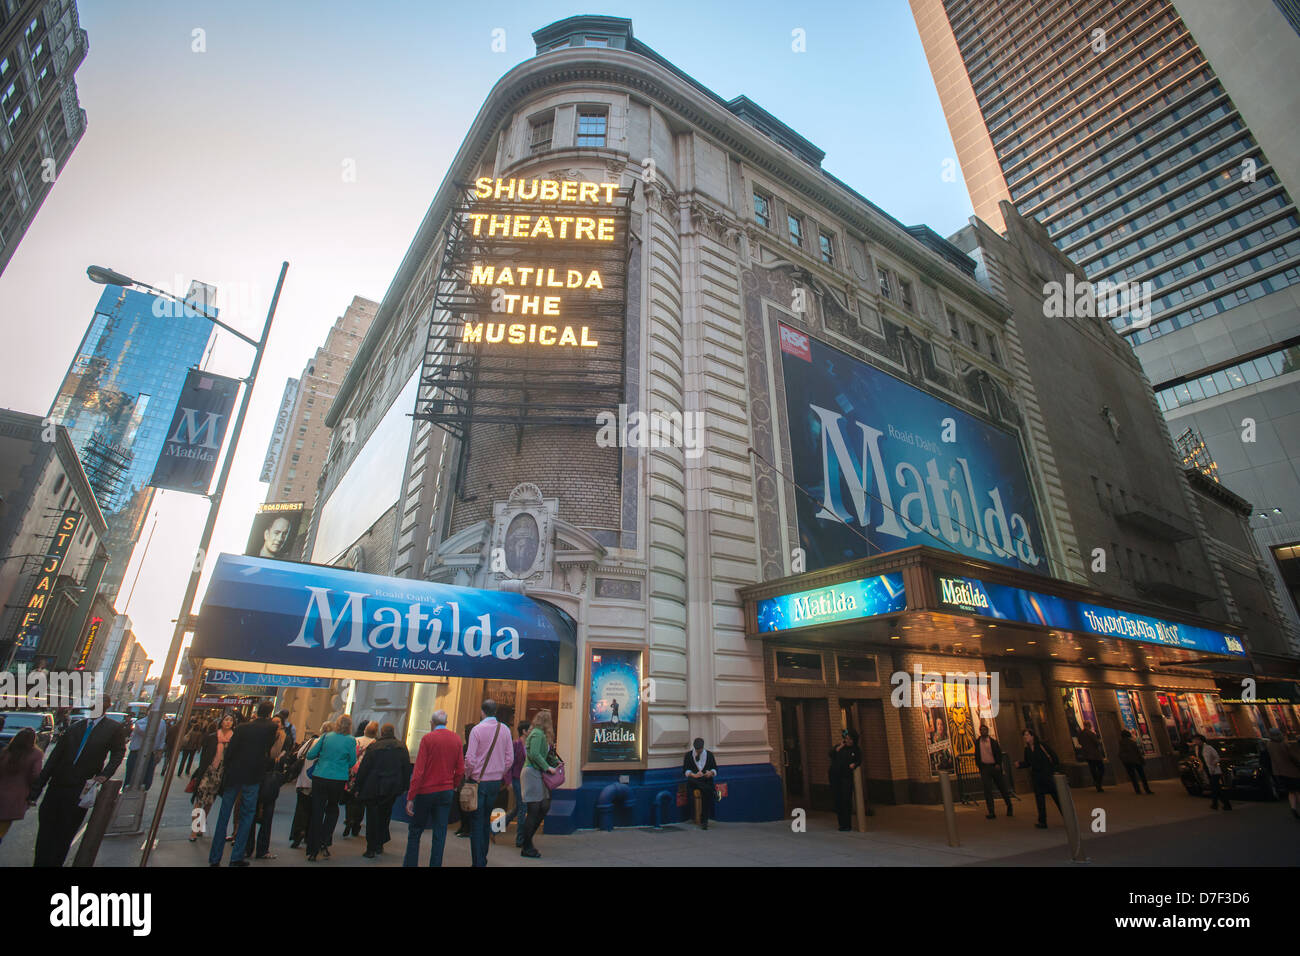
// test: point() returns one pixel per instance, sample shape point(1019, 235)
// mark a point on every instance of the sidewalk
point(1169, 828)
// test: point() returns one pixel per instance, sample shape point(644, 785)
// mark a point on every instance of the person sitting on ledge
point(700, 769)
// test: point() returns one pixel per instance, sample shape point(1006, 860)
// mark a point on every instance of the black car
point(12, 721)
point(1240, 767)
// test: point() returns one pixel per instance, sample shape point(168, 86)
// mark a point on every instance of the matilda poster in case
point(615, 724)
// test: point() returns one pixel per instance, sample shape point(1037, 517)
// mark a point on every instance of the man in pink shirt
point(487, 760)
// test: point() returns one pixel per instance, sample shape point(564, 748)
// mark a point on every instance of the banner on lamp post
point(189, 455)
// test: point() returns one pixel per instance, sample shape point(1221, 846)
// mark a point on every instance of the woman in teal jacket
point(334, 753)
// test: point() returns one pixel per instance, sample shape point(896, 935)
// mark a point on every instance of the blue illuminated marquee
point(888, 466)
point(329, 622)
point(868, 597)
point(1003, 602)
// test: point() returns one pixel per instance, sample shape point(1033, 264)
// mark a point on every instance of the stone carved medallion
point(523, 540)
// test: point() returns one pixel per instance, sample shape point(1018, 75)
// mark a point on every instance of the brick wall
point(589, 494)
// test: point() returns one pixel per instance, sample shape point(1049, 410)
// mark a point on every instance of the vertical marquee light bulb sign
point(531, 301)
point(530, 295)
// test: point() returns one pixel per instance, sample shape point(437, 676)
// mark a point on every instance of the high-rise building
point(41, 46)
point(117, 401)
point(297, 451)
point(1157, 148)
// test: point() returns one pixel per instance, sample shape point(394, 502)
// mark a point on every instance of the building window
point(540, 134)
point(12, 102)
point(591, 127)
point(905, 293)
point(828, 249)
point(993, 348)
point(795, 665)
point(595, 41)
point(856, 669)
point(796, 230)
point(954, 325)
point(883, 276)
point(762, 210)
point(973, 334)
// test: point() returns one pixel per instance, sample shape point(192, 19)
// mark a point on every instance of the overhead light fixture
point(1031, 642)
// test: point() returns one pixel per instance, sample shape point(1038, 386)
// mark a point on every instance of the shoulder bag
point(469, 789)
point(554, 778)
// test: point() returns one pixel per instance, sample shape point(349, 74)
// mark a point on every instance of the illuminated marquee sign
point(89, 645)
point(529, 308)
point(46, 579)
point(883, 594)
point(1004, 602)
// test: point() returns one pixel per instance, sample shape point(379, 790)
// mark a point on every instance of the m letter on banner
point(189, 455)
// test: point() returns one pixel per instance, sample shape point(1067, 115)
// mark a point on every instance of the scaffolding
point(106, 464)
point(1196, 454)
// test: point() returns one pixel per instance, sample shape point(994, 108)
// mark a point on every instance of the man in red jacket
point(439, 770)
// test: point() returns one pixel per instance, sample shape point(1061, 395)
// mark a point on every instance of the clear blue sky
point(218, 165)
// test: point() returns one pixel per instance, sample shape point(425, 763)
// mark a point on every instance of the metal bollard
point(100, 816)
point(859, 800)
point(1071, 820)
point(949, 811)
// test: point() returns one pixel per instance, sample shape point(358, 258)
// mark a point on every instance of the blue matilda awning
point(280, 617)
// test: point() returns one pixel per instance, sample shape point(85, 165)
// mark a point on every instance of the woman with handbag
point(356, 809)
point(540, 776)
point(206, 782)
point(190, 743)
point(335, 754)
point(302, 810)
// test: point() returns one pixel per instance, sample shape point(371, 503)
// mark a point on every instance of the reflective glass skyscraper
point(117, 401)
point(1155, 140)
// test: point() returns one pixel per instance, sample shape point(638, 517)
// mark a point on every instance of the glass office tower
point(117, 401)
point(1111, 125)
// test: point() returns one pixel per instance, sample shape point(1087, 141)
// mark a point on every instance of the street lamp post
point(109, 277)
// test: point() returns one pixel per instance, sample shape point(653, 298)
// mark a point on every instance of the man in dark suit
point(988, 760)
point(700, 769)
point(92, 748)
point(249, 755)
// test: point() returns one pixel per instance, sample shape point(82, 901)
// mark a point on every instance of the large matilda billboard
point(885, 462)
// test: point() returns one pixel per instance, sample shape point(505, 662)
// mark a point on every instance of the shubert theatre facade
point(763, 443)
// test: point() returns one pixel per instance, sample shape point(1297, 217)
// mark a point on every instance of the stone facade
point(647, 547)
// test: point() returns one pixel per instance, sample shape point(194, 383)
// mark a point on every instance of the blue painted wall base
point(754, 793)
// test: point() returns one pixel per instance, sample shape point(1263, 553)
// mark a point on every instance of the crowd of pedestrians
point(364, 775)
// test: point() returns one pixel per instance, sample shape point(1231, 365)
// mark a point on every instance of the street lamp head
point(108, 277)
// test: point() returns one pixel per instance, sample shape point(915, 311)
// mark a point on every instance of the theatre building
point(762, 446)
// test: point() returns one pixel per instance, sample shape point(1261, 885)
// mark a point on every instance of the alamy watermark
point(651, 429)
point(1105, 299)
point(981, 686)
point(42, 688)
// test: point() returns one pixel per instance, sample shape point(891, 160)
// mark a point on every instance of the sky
point(215, 155)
